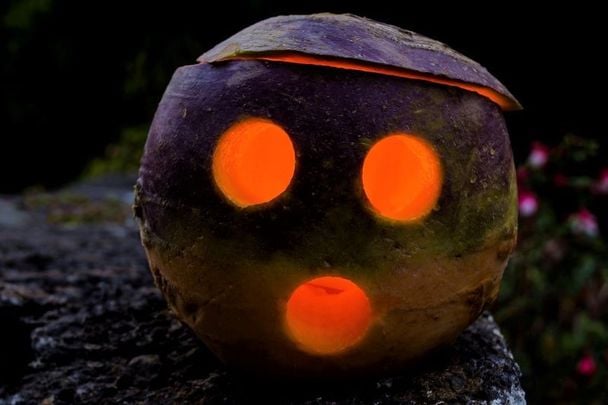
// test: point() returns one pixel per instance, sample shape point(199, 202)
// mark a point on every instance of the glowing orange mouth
point(327, 315)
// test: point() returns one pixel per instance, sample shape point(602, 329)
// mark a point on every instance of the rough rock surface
point(82, 322)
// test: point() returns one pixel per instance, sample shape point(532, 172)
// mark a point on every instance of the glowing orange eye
point(402, 177)
point(327, 315)
point(253, 162)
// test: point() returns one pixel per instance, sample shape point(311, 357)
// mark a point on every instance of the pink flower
point(601, 185)
point(539, 155)
point(528, 203)
point(584, 223)
point(586, 366)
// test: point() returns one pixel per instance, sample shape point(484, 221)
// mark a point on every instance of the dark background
point(74, 74)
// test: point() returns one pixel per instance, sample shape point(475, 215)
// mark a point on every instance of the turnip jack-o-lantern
point(326, 195)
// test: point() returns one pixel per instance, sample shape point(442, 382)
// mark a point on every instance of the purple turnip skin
point(227, 272)
point(349, 37)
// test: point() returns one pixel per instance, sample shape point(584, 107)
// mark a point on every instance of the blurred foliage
point(22, 14)
point(122, 156)
point(553, 305)
point(76, 74)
